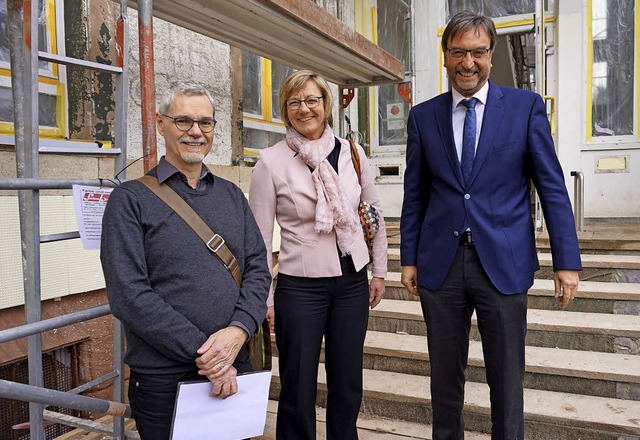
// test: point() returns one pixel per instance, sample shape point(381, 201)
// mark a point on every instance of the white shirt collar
point(481, 94)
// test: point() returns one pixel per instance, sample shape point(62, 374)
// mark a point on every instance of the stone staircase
point(583, 363)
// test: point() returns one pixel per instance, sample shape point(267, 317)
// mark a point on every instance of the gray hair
point(187, 88)
point(466, 21)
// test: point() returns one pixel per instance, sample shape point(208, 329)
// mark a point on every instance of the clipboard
point(198, 415)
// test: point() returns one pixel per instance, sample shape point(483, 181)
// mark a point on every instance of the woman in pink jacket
point(308, 184)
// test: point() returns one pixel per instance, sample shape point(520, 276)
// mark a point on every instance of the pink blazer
point(282, 189)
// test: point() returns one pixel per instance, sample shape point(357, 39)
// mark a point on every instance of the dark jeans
point(502, 322)
point(153, 396)
point(307, 309)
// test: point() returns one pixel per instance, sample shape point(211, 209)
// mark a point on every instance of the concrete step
point(552, 369)
point(598, 246)
point(593, 296)
point(394, 241)
point(610, 267)
point(597, 238)
point(587, 246)
point(620, 237)
point(614, 268)
point(599, 332)
point(369, 427)
point(548, 414)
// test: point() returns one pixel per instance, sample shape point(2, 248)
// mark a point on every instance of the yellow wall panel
point(66, 268)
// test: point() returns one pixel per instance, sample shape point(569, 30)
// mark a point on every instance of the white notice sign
point(90, 202)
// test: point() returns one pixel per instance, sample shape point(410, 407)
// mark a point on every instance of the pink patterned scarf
point(333, 210)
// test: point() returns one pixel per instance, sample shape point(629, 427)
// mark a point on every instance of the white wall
point(607, 193)
point(569, 55)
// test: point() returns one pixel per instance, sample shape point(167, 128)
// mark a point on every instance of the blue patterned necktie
point(468, 139)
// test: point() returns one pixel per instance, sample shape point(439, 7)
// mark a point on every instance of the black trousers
point(306, 309)
point(153, 396)
point(502, 322)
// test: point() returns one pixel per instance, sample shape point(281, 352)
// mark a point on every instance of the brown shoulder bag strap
point(214, 242)
point(355, 158)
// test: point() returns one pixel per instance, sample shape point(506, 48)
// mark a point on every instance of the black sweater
point(165, 285)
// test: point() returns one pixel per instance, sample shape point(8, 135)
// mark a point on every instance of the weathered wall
point(94, 337)
point(179, 55)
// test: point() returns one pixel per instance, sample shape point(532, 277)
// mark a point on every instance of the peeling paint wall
point(181, 54)
point(90, 35)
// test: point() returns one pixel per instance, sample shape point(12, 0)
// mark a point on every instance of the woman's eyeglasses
point(310, 102)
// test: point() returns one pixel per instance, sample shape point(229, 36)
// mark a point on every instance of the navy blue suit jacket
point(515, 148)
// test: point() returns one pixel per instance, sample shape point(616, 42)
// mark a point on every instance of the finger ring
point(219, 366)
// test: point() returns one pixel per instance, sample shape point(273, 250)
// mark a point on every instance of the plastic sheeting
point(613, 67)
point(493, 8)
point(251, 83)
point(394, 36)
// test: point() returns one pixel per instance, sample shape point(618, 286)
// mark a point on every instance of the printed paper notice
point(243, 415)
point(395, 116)
point(90, 202)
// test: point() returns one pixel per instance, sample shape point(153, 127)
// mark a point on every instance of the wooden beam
point(297, 33)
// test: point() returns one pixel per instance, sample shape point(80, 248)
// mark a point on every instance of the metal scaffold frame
point(22, 26)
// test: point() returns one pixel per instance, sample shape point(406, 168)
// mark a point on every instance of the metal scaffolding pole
point(122, 90)
point(22, 25)
point(29, 393)
point(122, 93)
point(28, 183)
point(22, 21)
point(147, 83)
point(25, 330)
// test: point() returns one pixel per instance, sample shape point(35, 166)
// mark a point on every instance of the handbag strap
point(355, 158)
point(214, 242)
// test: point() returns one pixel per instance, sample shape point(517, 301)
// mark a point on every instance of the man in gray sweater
point(184, 316)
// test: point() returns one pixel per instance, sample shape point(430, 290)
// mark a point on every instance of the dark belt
point(466, 239)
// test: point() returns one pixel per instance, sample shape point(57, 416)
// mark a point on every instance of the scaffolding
point(24, 79)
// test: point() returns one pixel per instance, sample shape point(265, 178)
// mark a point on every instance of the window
point(261, 79)
point(613, 68)
point(496, 8)
point(394, 36)
point(251, 83)
point(50, 85)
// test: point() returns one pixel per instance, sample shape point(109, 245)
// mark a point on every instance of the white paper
point(243, 415)
point(395, 116)
point(89, 202)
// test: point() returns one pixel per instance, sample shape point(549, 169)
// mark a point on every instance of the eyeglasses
point(310, 102)
point(477, 53)
point(184, 123)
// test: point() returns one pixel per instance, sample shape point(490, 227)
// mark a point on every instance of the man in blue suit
point(467, 234)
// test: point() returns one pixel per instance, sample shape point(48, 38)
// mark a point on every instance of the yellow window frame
point(266, 89)
point(47, 80)
point(589, 91)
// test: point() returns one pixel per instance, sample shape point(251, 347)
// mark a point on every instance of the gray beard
point(192, 157)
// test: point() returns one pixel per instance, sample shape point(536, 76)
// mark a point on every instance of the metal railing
point(30, 393)
point(578, 199)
